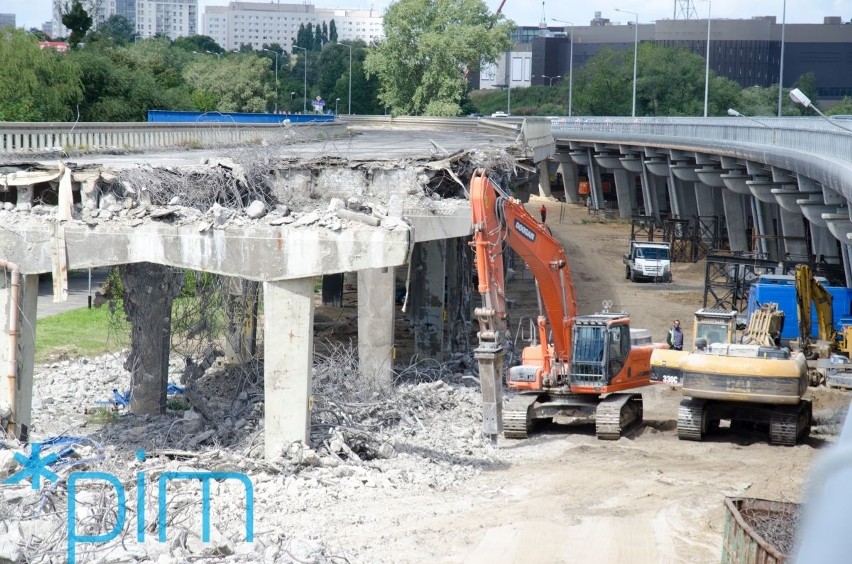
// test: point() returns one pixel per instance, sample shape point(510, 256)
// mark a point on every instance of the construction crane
point(576, 365)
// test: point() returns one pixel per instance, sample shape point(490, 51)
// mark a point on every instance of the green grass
point(79, 332)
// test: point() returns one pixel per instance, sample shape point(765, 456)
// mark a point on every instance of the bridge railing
point(810, 135)
point(42, 137)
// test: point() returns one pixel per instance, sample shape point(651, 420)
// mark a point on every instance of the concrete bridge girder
point(710, 176)
point(762, 190)
point(839, 224)
point(787, 196)
point(813, 210)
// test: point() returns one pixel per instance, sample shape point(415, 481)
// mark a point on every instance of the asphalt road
point(78, 291)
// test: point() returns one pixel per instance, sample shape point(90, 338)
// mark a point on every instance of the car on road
point(499, 114)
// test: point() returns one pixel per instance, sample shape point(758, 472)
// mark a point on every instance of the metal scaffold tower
point(685, 10)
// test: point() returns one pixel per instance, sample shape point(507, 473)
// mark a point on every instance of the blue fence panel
point(168, 116)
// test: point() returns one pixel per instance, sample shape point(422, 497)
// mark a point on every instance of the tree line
point(422, 66)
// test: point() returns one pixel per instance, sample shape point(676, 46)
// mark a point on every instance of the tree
point(35, 84)
point(324, 33)
point(843, 107)
point(117, 29)
point(78, 20)
point(317, 46)
point(332, 32)
point(198, 43)
point(429, 45)
point(237, 83)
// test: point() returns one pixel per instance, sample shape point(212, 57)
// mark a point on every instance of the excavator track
point(615, 413)
point(517, 416)
point(691, 423)
point(787, 423)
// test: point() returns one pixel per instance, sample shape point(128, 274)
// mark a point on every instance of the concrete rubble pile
point(420, 435)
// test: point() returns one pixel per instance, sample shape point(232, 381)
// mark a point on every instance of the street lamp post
point(276, 77)
point(734, 113)
point(336, 102)
point(570, 67)
point(635, 54)
point(350, 76)
point(305, 97)
point(799, 97)
point(781, 70)
point(707, 61)
point(212, 53)
point(551, 78)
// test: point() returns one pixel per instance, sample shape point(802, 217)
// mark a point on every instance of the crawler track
point(616, 413)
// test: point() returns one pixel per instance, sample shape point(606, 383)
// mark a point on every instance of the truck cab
point(648, 260)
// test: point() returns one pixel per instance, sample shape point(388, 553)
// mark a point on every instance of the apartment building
point(170, 18)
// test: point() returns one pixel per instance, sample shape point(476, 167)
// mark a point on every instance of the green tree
point(78, 20)
point(324, 33)
point(237, 83)
point(35, 84)
point(602, 87)
point(843, 107)
point(117, 29)
point(317, 46)
point(332, 32)
point(428, 47)
point(198, 43)
point(333, 64)
point(807, 84)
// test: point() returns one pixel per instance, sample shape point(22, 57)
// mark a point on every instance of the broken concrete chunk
point(8, 206)
point(256, 209)
point(174, 201)
point(106, 201)
point(162, 213)
point(354, 216)
point(104, 214)
point(136, 222)
point(335, 204)
point(204, 226)
point(282, 209)
point(354, 203)
point(307, 219)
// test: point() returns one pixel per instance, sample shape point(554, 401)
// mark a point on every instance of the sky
point(32, 13)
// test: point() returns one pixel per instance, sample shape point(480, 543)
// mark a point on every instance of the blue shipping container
point(782, 290)
point(168, 116)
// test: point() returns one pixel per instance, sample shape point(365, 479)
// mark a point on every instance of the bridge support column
point(22, 396)
point(241, 311)
point(650, 200)
point(288, 361)
point(569, 180)
point(25, 197)
point(735, 218)
point(459, 270)
point(427, 282)
point(824, 244)
point(544, 178)
point(705, 200)
point(376, 293)
point(625, 193)
point(595, 186)
point(793, 226)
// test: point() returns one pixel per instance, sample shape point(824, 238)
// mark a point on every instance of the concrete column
point(22, 394)
point(25, 198)
point(793, 225)
point(649, 192)
point(846, 253)
point(624, 193)
point(375, 324)
point(544, 179)
point(569, 179)
point(735, 218)
point(824, 243)
point(705, 200)
point(459, 291)
point(288, 347)
point(595, 185)
point(241, 312)
point(428, 284)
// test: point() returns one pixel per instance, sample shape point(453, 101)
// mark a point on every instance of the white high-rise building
point(171, 18)
point(256, 24)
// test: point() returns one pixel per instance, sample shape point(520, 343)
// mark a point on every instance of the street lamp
point(550, 78)
point(735, 113)
point(799, 97)
point(707, 61)
point(570, 66)
point(350, 75)
point(276, 77)
point(781, 70)
point(336, 101)
point(305, 98)
point(212, 53)
point(635, 53)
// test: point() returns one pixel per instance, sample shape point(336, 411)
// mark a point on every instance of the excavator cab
point(600, 348)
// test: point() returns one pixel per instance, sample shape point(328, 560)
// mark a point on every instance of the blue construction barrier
point(169, 116)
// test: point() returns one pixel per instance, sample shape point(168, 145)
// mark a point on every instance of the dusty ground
point(564, 496)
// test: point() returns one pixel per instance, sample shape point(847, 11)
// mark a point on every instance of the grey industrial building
point(747, 50)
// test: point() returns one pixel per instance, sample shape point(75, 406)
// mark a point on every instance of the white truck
point(648, 260)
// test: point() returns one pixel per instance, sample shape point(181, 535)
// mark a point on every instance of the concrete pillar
point(428, 289)
point(375, 324)
point(735, 218)
point(25, 198)
point(595, 185)
point(459, 292)
point(705, 200)
point(846, 253)
point(824, 243)
point(241, 313)
point(793, 226)
point(543, 178)
point(649, 192)
point(288, 347)
point(569, 180)
point(624, 193)
point(22, 395)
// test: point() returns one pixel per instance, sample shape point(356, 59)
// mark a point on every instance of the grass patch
point(101, 416)
point(79, 332)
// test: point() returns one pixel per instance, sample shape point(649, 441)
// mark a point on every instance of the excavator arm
point(498, 220)
point(809, 290)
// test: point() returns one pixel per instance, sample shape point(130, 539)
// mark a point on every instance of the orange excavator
point(578, 366)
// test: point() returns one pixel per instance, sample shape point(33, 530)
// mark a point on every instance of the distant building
point(7, 20)
point(256, 24)
point(170, 18)
point(47, 28)
point(60, 46)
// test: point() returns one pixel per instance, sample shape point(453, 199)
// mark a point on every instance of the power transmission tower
point(685, 10)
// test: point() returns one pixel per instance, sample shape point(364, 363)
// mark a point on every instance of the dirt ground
point(564, 496)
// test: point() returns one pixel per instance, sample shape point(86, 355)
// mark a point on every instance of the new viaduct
point(787, 182)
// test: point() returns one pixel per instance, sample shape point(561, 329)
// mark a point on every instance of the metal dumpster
point(747, 521)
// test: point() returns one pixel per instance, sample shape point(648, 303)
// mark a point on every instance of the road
point(78, 291)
